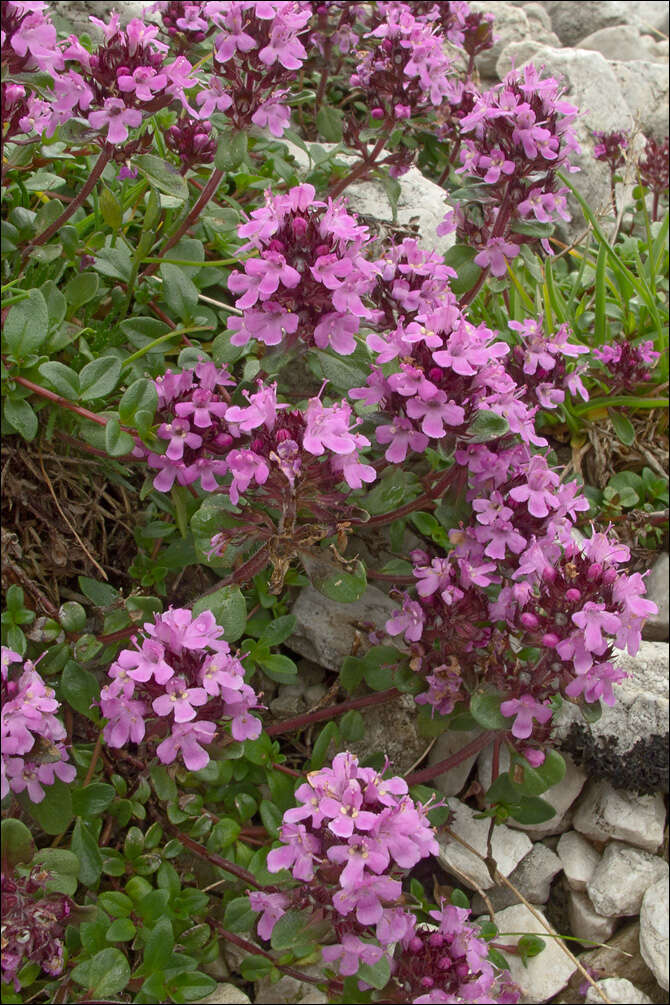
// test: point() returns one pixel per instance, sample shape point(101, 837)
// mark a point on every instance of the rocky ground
point(598, 870)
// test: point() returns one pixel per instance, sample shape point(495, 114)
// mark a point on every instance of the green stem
point(164, 338)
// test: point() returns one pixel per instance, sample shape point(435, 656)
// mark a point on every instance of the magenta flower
point(496, 255)
point(179, 700)
point(188, 739)
point(525, 709)
point(272, 905)
point(435, 410)
point(350, 953)
point(117, 117)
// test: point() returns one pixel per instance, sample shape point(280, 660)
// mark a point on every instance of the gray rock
point(226, 994)
point(560, 796)
point(511, 25)
point(658, 626)
point(578, 858)
point(574, 21)
point(619, 991)
point(536, 13)
point(630, 738)
point(624, 43)
point(644, 86)
point(620, 958)
point(604, 813)
point(621, 878)
point(543, 976)
point(532, 878)
point(73, 15)
point(507, 846)
point(585, 922)
point(654, 930)
point(391, 729)
point(290, 701)
point(326, 630)
point(287, 990)
point(451, 782)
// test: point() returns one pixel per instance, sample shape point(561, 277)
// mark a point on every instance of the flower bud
point(609, 575)
point(435, 940)
point(427, 982)
point(529, 620)
point(573, 595)
point(550, 640)
point(299, 226)
point(377, 113)
point(595, 571)
point(415, 944)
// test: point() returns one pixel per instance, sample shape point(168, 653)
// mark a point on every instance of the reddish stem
point(451, 762)
point(300, 721)
point(361, 169)
point(190, 218)
point(214, 859)
point(61, 402)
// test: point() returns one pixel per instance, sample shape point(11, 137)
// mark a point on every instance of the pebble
point(226, 994)
point(532, 878)
point(544, 975)
point(654, 930)
point(621, 878)
point(605, 812)
point(579, 859)
point(619, 991)
point(658, 626)
point(585, 922)
point(451, 782)
point(508, 847)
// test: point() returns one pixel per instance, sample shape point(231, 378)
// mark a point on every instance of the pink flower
point(525, 709)
point(179, 700)
point(187, 738)
point(496, 254)
point(273, 114)
point(435, 410)
point(117, 117)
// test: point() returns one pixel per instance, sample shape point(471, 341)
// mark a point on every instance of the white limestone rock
point(391, 729)
point(624, 43)
point(543, 976)
point(639, 715)
point(226, 994)
point(644, 85)
point(621, 879)
point(605, 812)
point(451, 782)
point(288, 990)
point(532, 878)
point(578, 858)
point(325, 630)
point(537, 15)
point(658, 626)
point(511, 25)
point(619, 991)
point(585, 922)
point(560, 796)
point(574, 21)
point(654, 930)
point(508, 847)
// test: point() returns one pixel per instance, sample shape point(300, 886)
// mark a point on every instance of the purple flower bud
point(377, 113)
point(594, 571)
point(415, 945)
point(573, 595)
point(435, 941)
point(529, 620)
point(550, 640)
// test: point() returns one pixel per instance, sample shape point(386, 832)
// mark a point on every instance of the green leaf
point(231, 151)
point(329, 122)
point(116, 263)
point(271, 816)
point(334, 582)
point(530, 946)
point(289, 930)
point(93, 799)
point(21, 417)
point(352, 726)
point(279, 630)
point(63, 868)
point(623, 427)
point(179, 292)
point(239, 916)
point(61, 378)
point(461, 259)
point(591, 711)
point(532, 810)
point(378, 975)
point(72, 616)
point(162, 176)
point(43, 181)
point(343, 372)
point(487, 426)
point(17, 844)
point(229, 609)
point(117, 441)
point(329, 733)
point(79, 688)
point(105, 974)
point(159, 946)
point(81, 289)
point(351, 673)
point(116, 904)
point(190, 987)
point(100, 594)
point(54, 813)
point(279, 668)
point(85, 847)
point(141, 396)
point(553, 769)
point(255, 968)
point(121, 930)
point(459, 899)
point(485, 710)
point(99, 378)
point(110, 208)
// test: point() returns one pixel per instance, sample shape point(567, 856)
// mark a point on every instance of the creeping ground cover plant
point(226, 393)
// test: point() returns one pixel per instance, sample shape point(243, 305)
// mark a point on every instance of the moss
point(642, 769)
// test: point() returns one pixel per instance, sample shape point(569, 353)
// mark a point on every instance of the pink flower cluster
point(406, 73)
point(33, 754)
point(310, 277)
point(513, 580)
point(260, 443)
point(33, 925)
point(538, 363)
point(521, 135)
point(174, 686)
point(349, 841)
point(611, 148)
point(111, 89)
point(627, 364)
